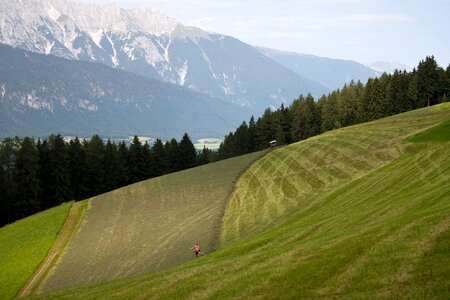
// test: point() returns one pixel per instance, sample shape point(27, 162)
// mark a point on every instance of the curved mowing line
point(317, 164)
point(70, 227)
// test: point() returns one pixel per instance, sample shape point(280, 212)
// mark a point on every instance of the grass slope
point(439, 133)
point(289, 179)
point(380, 233)
point(70, 227)
point(150, 225)
point(24, 245)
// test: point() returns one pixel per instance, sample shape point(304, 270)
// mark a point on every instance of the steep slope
point(24, 245)
point(150, 225)
point(44, 94)
point(332, 73)
point(294, 175)
point(368, 235)
point(147, 42)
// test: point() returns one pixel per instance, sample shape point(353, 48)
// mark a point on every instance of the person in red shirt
point(196, 248)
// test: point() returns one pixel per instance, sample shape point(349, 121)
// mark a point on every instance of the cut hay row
point(379, 233)
point(288, 179)
point(149, 226)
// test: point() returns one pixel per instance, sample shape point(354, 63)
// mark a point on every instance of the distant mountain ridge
point(148, 43)
point(44, 94)
point(332, 73)
point(389, 66)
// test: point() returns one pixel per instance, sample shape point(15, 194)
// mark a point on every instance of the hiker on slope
point(197, 251)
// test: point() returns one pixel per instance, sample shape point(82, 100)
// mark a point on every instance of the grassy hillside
point(290, 179)
point(439, 133)
point(358, 214)
point(150, 225)
point(24, 245)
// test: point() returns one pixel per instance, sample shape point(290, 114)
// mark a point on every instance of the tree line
point(36, 175)
point(354, 103)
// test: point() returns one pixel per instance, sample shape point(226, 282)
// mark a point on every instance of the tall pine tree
point(95, 162)
point(427, 83)
point(59, 171)
point(27, 178)
point(77, 169)
point(188, 155)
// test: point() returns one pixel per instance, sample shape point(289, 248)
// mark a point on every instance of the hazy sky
point(361, 30)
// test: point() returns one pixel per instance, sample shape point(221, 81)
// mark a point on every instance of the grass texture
point(25, 244)
point(73, 222)
point(352, 214)
point(149, 226)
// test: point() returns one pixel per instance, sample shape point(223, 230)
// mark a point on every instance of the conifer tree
point(306, 119)
point(188, 155)
point(327, 106)
point(373, 99)
point(59, 171)
point(77, 169)
point(411, 93)
point(123, 165)
point(240, 141)
point(226, 148)
point(252, 137)
point(160, 164)
point(299, 119)
point(45, 175)
point(111, 166)
point(265, 131)
point(95, 159)
point(26, 177)
point(427, 83)
point(4, 198)
point(148, 169)
point(137, 161)
point(8, 150)
point(282, 120)
point(173, 153)
point(348, 104)
point(204, 157)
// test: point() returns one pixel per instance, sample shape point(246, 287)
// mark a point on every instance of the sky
point(361, 30)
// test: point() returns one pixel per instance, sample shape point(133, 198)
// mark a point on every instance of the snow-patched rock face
point(40, 24)
point(147, 42)
point(389, 66)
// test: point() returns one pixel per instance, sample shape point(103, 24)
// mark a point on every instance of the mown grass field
point(24, 245)
point(290, 179)
point(355, 213)
point(150, 225)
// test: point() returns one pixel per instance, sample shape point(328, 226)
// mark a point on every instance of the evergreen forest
point(39, 174)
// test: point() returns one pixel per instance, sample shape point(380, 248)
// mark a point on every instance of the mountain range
point(146, 42)
point(210, 66)
point(42, 94)
point(389, 66)
point(331, 73)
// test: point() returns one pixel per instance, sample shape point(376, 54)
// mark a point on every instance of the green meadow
point(24, 245)
point(439, 133)
point(360, 212)
point(149, 226)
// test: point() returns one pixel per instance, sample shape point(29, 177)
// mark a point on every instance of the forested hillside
point(36, 175)
point(40, 174)
point(354, 103)
point(44, 94)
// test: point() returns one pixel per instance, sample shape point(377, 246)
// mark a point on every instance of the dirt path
point(70, 227)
